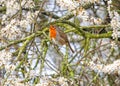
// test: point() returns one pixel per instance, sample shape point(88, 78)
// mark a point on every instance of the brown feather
point(62, 38)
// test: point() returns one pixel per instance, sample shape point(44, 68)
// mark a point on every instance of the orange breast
point(52, 32)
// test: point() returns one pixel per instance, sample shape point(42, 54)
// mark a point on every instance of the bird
point(59, 37)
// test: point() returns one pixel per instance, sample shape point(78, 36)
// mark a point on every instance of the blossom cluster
point(45, 81)
point(76, 8)
point(27, 4)
point(5, 60)
point(68, 4)
point(18, 81)
point(5, 57)
point(115, 20)
point(11, 31)
point(115, 24)
point(86, 17)
point(72, 4)
point(13, 6)
point(113, 68)
point(13, 81)
point(12, 27)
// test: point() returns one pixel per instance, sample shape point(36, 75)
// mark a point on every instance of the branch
point(38, 33)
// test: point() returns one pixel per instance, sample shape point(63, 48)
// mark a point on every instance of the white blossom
point(72, 4)
point(27, 3)
point(11, 31)
point(109, 2)
point(113, 44)
point(63, 81)
point(43, 84)
point(95, 67)
point(115, 24)
point(12, 7)
point(109, 69)
point(5, 57)
point(83, 14)
point(2, 2)
point(95, 21)
point(83, 2)
point(10, 67)
point(30, 16)
point(24, 23)
point(33, 73)
point(68, 4)
point(14, 81)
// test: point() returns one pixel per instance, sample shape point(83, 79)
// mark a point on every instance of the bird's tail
point(70, 47)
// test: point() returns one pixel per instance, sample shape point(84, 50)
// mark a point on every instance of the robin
point(58, 36)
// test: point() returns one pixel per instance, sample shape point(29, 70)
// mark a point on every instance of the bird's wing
point(62, 34)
